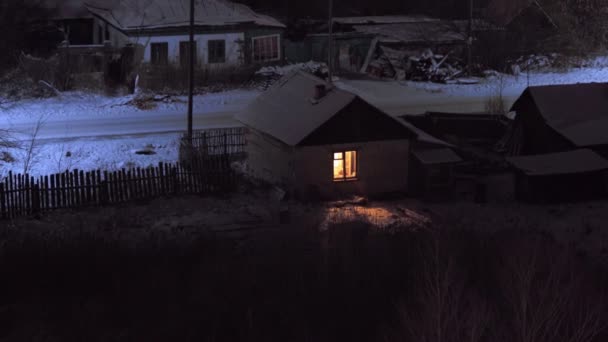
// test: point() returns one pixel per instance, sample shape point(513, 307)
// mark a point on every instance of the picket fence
point(207, 172)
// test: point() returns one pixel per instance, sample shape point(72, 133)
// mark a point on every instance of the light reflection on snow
point(386, 217)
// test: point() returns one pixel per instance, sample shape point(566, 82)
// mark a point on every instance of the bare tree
point(31, 147)
point(543, 290)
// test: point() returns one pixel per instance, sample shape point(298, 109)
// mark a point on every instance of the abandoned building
point(318, 141)
point(382, 45)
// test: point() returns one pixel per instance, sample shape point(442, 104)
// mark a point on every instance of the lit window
point(266, 48)
point(345, 165)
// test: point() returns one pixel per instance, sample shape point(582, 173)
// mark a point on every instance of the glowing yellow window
point(345, 165)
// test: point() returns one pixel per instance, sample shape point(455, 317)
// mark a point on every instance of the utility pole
point(191, 73)
point(470, 39)
point(330, 51)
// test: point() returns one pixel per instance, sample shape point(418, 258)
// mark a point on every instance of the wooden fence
point(22, 195)
point(218, 141)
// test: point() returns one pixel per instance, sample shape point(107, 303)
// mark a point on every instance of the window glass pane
point(338, 155)
point(338, 169)
point(351, 164)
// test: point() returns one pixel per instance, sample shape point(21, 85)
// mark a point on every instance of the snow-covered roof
point(388, 19)
point(579, 111)
point(287, 111)
point(570, 162)
point(136, 15)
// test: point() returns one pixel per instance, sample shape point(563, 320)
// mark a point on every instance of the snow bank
point(94, 153)
point(310, 66)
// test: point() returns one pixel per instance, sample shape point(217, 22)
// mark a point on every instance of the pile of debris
point(534, 63)
point(428, 66)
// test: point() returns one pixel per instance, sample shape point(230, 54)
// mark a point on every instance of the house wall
point(382, 168)
point(268, 159)
point(233, 47)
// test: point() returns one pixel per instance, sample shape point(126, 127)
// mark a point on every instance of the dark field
point(197, 269)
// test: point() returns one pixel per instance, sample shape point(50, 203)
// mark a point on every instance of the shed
point(563, 176)
point(432, 172)
point(559, 118)
point(318, 141)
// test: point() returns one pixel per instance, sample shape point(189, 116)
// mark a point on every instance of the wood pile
point(427, 66)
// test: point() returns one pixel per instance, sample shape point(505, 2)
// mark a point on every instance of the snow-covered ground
point(107, 153)
point(398, 98)
point(104, 132)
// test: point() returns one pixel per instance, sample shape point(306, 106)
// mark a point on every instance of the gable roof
point(504, 12)
point(579, 112)
point(570, 162)
point(286, 110)
point(134, 15)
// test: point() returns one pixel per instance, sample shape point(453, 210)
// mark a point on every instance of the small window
point(184, 54)
point(107, 34)
point(159, 53)
point(345, 165)
point(217, 51)
point(266, 49)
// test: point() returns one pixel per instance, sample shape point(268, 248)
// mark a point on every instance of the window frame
point(215, 60)
point(356, 164)
point(165, 45)
point(183, 59)
point(258, 38)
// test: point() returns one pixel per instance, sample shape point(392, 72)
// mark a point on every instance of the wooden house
point(318, 141)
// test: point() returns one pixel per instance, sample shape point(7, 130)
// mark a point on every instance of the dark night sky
point(318, 8)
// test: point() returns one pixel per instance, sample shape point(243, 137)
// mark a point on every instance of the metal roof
point(579, 112)
point(570, 162)
point(436, 156)
point(155, 14)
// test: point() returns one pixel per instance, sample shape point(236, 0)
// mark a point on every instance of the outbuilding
point(558, 118)
point(560, 177)
point(318, 141)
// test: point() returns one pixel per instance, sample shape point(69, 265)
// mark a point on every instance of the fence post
point(2, 202)
point(36, 199)
point(175, 181)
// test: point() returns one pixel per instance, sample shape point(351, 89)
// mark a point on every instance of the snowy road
point(125, 125)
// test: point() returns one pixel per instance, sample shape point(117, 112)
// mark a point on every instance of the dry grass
point(161, 271)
